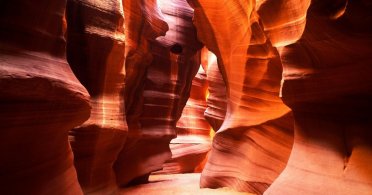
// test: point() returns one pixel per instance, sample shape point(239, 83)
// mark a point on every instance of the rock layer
point(216, 99)
point(95, 51)
point(257, 123)
point(316, 52)
point(327, 83)
point(193, 140)
point(143, 22)
point(40, 100)
point(162, 70)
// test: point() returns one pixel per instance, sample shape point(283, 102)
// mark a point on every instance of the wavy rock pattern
point(257, 123)
point(314, 54)
point(40, 100)
point(327, 83)
point(95, 51)
point(162, 84)
point(216, 101)
point(193, 140)
point(283, 20)
point(143, 22)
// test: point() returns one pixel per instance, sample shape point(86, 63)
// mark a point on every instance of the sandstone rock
point(40, 100)
point(283, 20)
point(162, 70)
point(193, 140)
point(257, 130)
point(177, 184)
point(95, 51)
point(216, 100)
point(143, 22)
point(315, 55)
point(327, 84)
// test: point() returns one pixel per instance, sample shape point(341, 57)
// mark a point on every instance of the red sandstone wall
point(40, 100)
point(280, 66)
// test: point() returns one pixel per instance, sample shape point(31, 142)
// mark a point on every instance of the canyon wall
point(193, 140)
point(144, 22)
point(94, 93)
point(252, 146)
point(95, 52)
point(327, 83)
point(160, 69)
point(216, 99)
point(318, 42)
point(40, 100)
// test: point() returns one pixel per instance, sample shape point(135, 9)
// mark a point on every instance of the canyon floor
point(176, 184)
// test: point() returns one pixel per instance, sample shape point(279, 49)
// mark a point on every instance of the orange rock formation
point(93, 91)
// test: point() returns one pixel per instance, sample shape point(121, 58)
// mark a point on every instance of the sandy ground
point(177, 184)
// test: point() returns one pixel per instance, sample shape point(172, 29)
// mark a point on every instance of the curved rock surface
point(257, 131)
point(143, 22)
point(216, 99)
point(313, 54)
point(162, 70)
point(177, 184)
point(95, 51)
point(328, 85)
point(193, 140)
point(40, 100)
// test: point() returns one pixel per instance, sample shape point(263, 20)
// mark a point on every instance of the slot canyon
point(189, 97)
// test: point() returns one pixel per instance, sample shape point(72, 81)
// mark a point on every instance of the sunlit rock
point(193, 140)
point(95, 51)
point(159, 77)
point(252, 146)
point(216, 97)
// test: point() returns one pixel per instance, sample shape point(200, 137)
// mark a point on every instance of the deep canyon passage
point(164, 97)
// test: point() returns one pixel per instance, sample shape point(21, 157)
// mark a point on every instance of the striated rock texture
point(143, 22)
point(95, 51)
point(314, 54)
point(328, 85)
point(252, 146)
point(177, 184)
point(160, 70)
point(216, 99)
point(193, 140)
point(40, 100)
